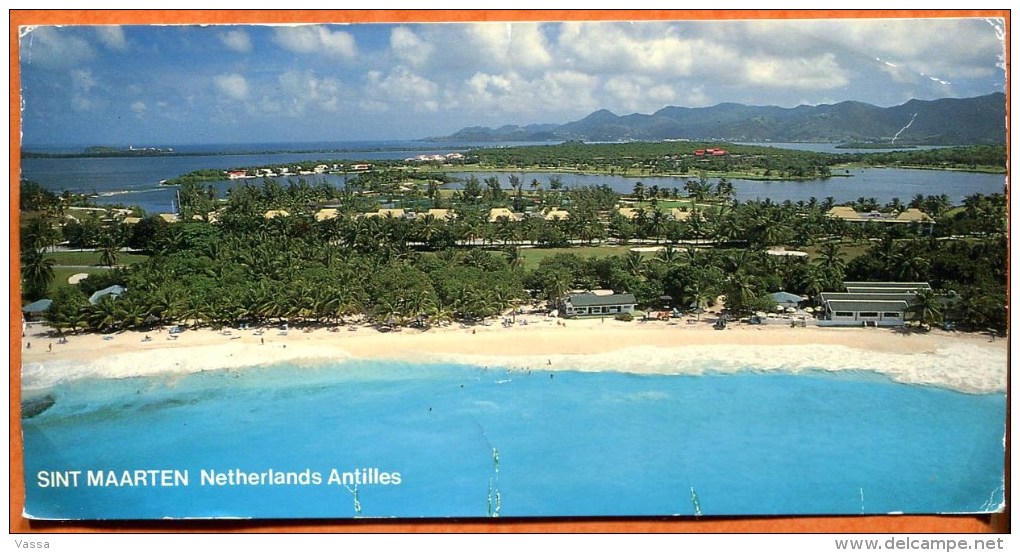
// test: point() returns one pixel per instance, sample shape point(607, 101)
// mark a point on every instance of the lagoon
point(135, 181)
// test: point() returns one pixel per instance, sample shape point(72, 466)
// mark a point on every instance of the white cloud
point(233, 85)
point(551, 94)
point(139, 107)
point(54, 47)
point(112, 36)
point(236, 40)
point(314, 39)
point(82, 103)
point(409, 47)
point(612, 48)
point(820, 72)
point(82, 84)
point(404, 87)
point(947, 48)
point(638, 94)
point(520, 46)
point(82, 80)
point(303, 91)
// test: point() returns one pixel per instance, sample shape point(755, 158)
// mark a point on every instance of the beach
point(973, 363)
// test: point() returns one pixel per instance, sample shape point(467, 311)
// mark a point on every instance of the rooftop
point(588, 299)
point(911, 215)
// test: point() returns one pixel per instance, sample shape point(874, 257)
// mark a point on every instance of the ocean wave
point(963, 367)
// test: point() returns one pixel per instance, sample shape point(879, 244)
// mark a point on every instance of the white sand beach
point(972, 363)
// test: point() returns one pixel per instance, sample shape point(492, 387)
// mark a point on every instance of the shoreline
point(969, 363)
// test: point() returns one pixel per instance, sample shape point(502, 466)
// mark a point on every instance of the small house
point(589, 304)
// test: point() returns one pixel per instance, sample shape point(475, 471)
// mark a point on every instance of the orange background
point(18, 524)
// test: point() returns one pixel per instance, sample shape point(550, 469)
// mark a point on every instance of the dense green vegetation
point(988, 158)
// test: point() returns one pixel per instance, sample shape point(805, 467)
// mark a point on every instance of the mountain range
point(947, 121)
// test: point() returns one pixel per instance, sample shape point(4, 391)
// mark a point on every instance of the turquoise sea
point(467, 441)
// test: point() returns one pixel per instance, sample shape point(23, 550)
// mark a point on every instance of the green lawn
point(850, 250)
point(61, 274)
point(533, 256)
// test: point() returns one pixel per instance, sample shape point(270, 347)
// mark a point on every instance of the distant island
point(105, 151)
point(110, 151)
point(946, 122)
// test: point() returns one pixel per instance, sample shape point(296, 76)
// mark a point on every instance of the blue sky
point(170, 85)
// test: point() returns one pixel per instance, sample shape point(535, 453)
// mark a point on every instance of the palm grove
point(227, 263)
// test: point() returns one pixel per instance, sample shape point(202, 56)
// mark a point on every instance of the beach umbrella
point(809, 309)
point(791, 310)
point(77, 277)
point(37, 306)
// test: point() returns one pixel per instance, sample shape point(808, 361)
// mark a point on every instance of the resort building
point(587, 303)
point(556, 215)
point(325, 214)
point(442, 214)
point(497, 212)
point(911, 215)
point(870, 303)
point(274, 213)
point(786, 299)
point(395, 213)
point(678, 214)
point(628, 212)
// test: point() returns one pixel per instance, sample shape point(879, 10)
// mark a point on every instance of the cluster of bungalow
point(870, 303)
point(299, 170)
point(424, 158)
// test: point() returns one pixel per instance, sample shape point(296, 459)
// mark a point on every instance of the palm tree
point(740, 293)
point(639, 191)
point(724, 189)
point(668, 255)
point(513, 257)
point(36, 273)
point(635, 263)
point(106, 314)
point(832, 258)
point(813, 281)
point(108, 252)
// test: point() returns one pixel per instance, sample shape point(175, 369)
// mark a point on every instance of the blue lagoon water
point(473, 442)
point(135, 181)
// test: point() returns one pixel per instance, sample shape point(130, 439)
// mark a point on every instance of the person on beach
point(50, 347)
